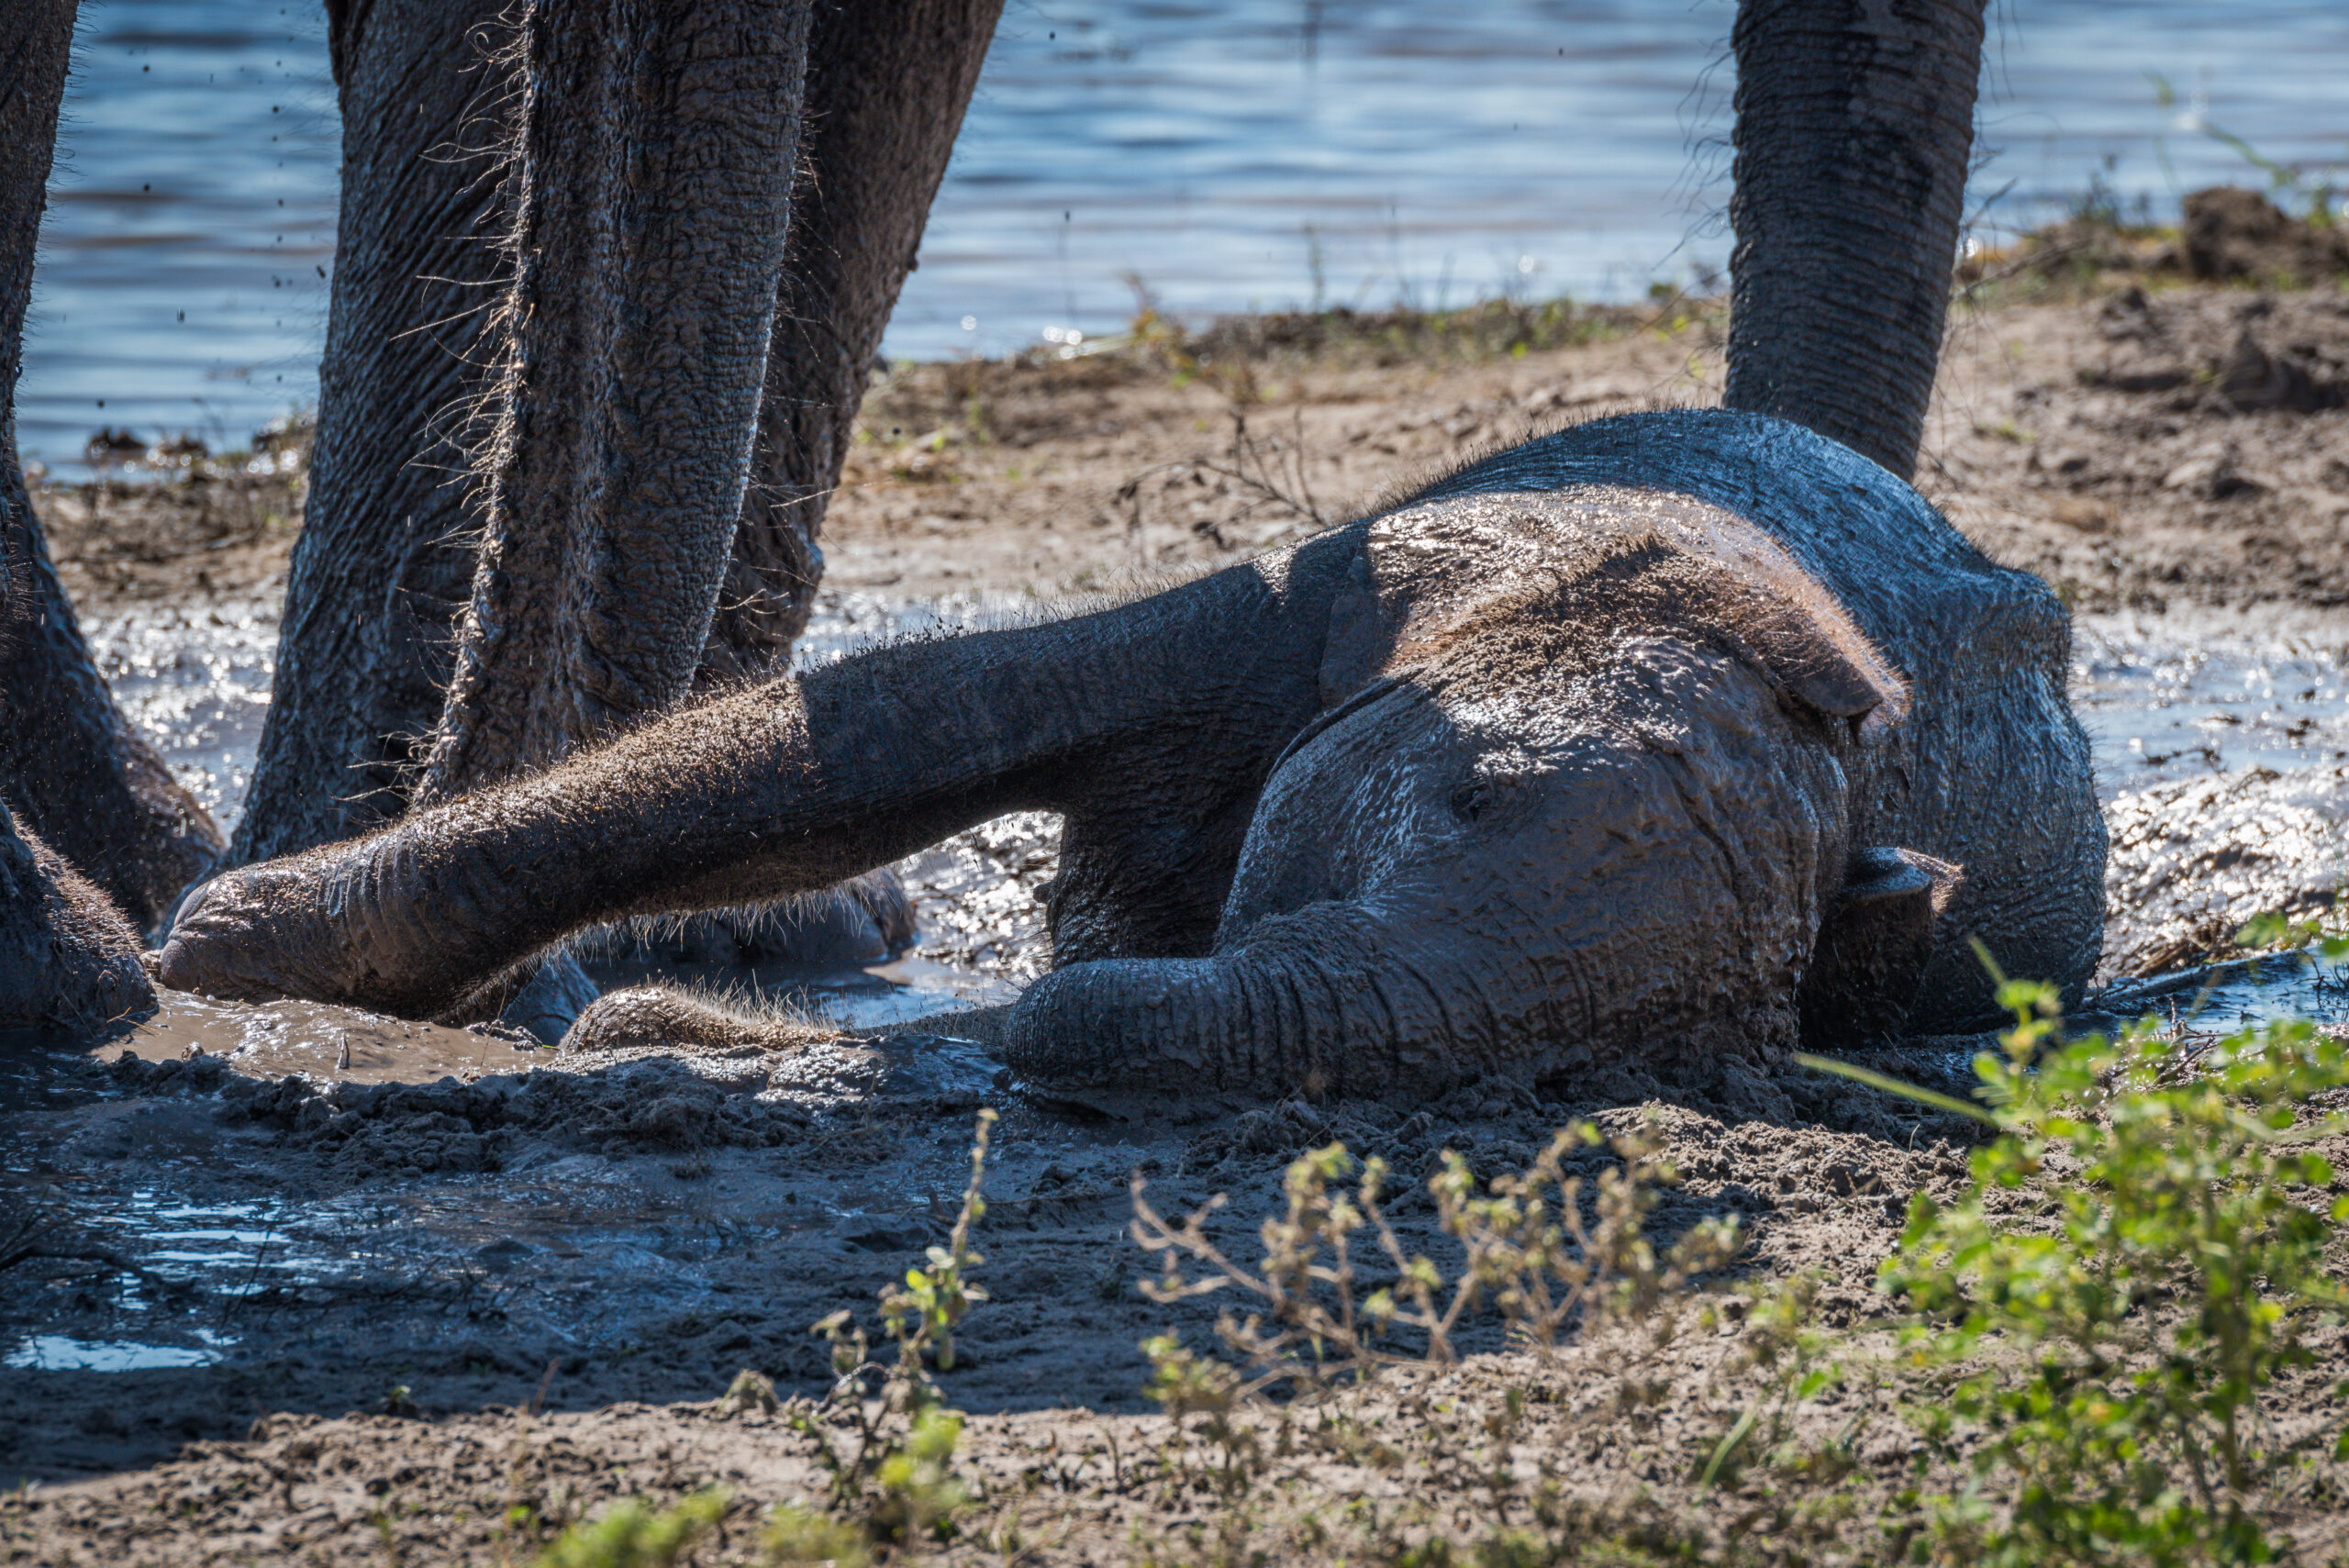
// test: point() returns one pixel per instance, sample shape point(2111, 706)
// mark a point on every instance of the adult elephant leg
point(68, 959)
point(386, 558)
point(84, 779)
point(1855, 124)
point(655, 148)
point(887, 84)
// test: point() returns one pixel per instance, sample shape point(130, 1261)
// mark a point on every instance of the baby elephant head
point(1580, 794)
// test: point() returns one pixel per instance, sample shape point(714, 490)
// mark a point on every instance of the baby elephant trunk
point(1873, 947)
point(1320, 1002)
point(1331, 1001)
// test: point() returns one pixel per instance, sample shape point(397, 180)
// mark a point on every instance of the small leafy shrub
point(884, 1433)
point(634, 1535)
point(1528, 1251)
point(2094, 1352)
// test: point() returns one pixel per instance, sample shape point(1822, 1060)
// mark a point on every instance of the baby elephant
point(1676, 734)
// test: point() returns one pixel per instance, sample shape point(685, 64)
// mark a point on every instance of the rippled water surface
point(2166, 697)
point(1255, 153)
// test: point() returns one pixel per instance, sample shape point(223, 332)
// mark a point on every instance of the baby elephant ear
point(1816, 657)
point(1872, 948)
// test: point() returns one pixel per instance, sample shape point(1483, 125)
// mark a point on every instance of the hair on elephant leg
point(866, 919)
point(384, 560)
point(68, 959)
point(656, 1018)
point(655, 151)
point(652, 185)
point(887, 84)
point(70, 762)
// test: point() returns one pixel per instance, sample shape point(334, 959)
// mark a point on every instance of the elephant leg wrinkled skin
point(385, 571)
point(1577, 753)
point(656, 152)
point(69, 962)
point(70, 762)
point(887, 84)
point(383, 563)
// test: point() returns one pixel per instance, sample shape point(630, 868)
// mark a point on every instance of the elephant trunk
point(1855, 123)
point(85, 781)
point(1328, 1001)
point(655, 152)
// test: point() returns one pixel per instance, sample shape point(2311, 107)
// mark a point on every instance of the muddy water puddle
point(2222, 752)
point(197, 682)
point(2166, 696)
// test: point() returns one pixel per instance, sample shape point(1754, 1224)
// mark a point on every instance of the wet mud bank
point(339, 1226)
point(207, 1246)
point(236, 1209)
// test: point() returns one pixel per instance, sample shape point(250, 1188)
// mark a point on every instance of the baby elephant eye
point(1468, 802)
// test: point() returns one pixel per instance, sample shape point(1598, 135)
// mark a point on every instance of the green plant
point(1799, 1360)
point(884, 1434)
point(797, 1533)
point(2138, 1254)
point(634, 1535)
point(1527, 1249)
point(1184, 1383)
point(921, 1316)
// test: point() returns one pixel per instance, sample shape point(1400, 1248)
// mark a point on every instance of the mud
point(649, 1227)
point(373, 1283)
point(2222, 742)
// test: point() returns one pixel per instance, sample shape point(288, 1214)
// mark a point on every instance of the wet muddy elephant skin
point(69, 962)
point(1597, 747)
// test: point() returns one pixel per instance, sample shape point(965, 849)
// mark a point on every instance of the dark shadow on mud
point(188, 1247)
point(198, 1248)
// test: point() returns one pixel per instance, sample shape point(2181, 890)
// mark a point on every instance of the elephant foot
point(68, 959)
point(264, 932)
point(551, 1000)
point(648, 1017)
point(866, 919)
point(540, 998)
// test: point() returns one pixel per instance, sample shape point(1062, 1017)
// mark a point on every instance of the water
point(1253, 154)
point(2166, 697)
point(63, 1352)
